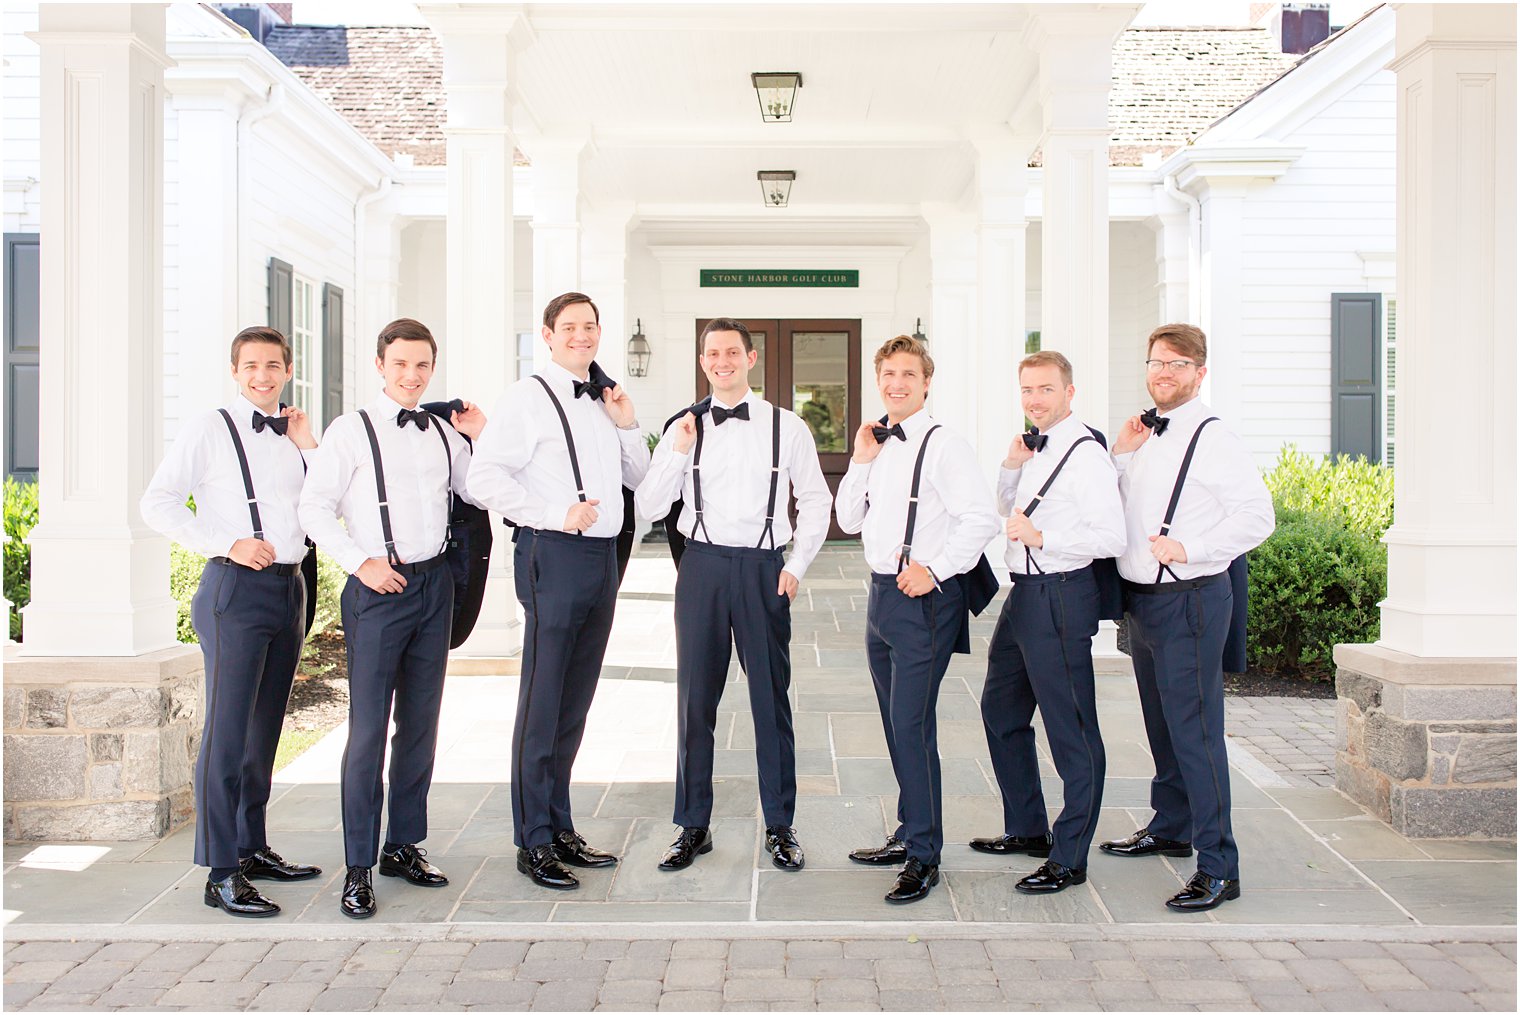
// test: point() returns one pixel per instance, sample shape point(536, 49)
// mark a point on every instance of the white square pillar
point(952, 326)
point(1002, 184)
point(1451, 550)
point(100, 577)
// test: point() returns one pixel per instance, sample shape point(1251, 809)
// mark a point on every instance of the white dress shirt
point(203, 463)
point(339, 506)
point(522, 466)
point(955, 520)
point(1225, 508)
point(1080, 518)
point(736, 483)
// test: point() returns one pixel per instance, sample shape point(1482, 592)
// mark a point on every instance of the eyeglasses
point(1173, 366)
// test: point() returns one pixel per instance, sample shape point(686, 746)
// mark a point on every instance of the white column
point(952, 324)
point(207, 237)
point(478, 60)
point(100, 577)
point(1174, 258)
point(1002, 183)
point(377, 283)
point(604, 268)
point(1074, 49)
point(556, 227)
point(1451, 550)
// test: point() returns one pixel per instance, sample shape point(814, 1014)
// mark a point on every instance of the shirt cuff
point(351, 561)
point(1053, 540)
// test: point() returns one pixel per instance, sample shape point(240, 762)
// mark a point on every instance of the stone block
point(1440, 770)
point(1486, 759)
point(181, 806)
point(118, 820)
point(119, 707)
point(44, 767)
point(105, 781)
point(1365, 691)
point(140, 761)
point(15, 708)
point(1472, 727)
point(47, 708)
point(176, 764)
point(184, 696)
point(1427, 813)
point(1366, 786)
point(1396, 748)
point(105, 747)
point(1482, 702)
point(1445, 743)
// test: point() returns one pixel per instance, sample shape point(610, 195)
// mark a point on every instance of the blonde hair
point(1185, 338)
point(908, 344)
point(1048, 358)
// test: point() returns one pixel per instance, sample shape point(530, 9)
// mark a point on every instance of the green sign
point(779, 278)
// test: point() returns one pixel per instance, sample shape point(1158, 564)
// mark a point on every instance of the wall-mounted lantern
point(918, 331)
point(638, 351)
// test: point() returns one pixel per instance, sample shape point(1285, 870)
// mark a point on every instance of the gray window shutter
point(1355, 377)
point(23, 333)
point(281, 319)
point(332, 353)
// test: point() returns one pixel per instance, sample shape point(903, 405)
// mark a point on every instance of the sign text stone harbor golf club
point(748, 278)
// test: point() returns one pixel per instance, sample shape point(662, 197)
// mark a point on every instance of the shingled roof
point(1169, 84)
point(386, 81)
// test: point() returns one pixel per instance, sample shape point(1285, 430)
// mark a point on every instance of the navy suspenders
point(1171, 507)
point(766, 534)
point(918, 472)
point(1029, 508)
point(391, 556)
point(242, 456)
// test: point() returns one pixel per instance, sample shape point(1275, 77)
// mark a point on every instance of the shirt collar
point(242, 410)
point(917, 423)
point(1068, 431)
point(749, 396)
point(1193, 409)
point(559, 376)
point(387, 407)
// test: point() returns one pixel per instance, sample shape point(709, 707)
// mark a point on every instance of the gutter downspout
point(1195, 244)
point(272, 103)
point(381, 189)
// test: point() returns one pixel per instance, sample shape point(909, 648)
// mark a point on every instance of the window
point(1390, 348)
point(304, 347)
point(524, 354)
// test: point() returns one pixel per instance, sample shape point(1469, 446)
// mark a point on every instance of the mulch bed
point(319, 696)
point(1257, 684)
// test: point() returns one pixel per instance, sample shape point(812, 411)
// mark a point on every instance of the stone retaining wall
point(1427, 745)
point(101, 749)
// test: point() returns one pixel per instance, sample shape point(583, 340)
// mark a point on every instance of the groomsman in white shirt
point(250, 609)
point(1060, 494)
point(916, 609)
point(560, 447)
point(377, 500)
point(1193, 501)
point(733, 460)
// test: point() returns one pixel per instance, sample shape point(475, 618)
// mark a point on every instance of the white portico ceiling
point(891, 98)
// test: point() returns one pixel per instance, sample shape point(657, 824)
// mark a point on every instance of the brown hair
point(559, 303)
point(404, 329)
point(258, 333)
point(1047, 358)
point(1185, 338)
point(908, 344)
point(725, 324)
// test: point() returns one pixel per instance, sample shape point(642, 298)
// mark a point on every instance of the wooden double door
point(813, 368)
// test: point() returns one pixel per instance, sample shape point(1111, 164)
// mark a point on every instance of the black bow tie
point(881, 433)
point(1154, 421)
point(592, 388)
point(279, 424)
point(740, 411)
point(418, 416)
point(1034, 440)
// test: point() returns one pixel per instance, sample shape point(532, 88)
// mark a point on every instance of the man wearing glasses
point(1193, 502)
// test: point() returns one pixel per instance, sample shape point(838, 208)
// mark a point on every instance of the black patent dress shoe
point(571, 848)
point(234, 896)
point(781, 843)
point(1143, 843)
point(895, 851)
point(541, 865)
point(1002, 845)
point(407, 862)
point(690, 844)
point(271, 866)
point(1050, 878)
point(914, 882)
point(1204, 893)
point(358, 900)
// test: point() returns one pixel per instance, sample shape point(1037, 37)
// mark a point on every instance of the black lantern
point(776, 186)
point(777, 91)
point(638, 351)
point(918, 331)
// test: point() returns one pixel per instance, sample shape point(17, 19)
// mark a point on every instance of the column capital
point(1074, 44)
point(1421, 29)
point(1227, 170)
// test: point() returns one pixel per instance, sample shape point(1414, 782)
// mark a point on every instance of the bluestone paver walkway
point(1338, 911)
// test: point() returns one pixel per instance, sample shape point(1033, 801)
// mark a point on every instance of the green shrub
point(1314, 584)
point(1355, 492)
point(185, 568)
point(20, 516)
